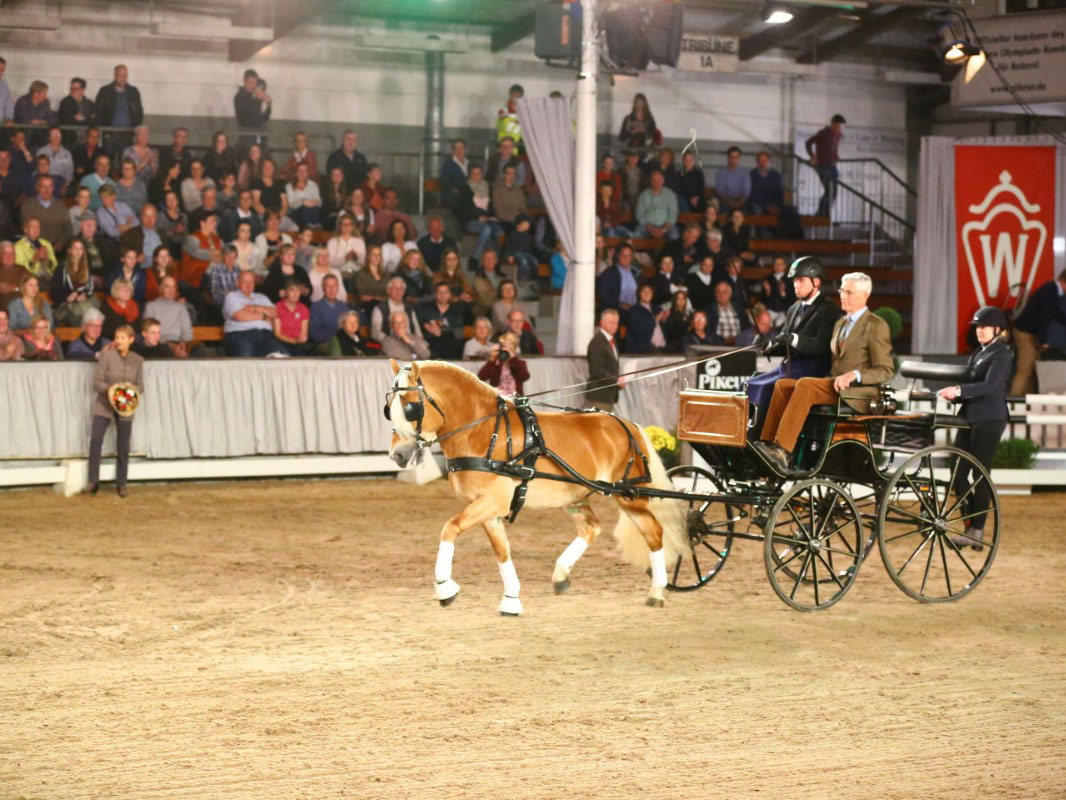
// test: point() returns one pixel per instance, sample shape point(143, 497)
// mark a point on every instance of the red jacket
point(490, 372)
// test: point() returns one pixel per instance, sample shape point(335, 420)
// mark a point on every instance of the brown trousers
point(789, 406)
point(1028, 347)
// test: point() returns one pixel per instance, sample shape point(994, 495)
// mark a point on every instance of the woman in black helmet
point(984, 406)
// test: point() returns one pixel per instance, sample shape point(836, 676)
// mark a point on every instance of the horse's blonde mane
point(468, 377)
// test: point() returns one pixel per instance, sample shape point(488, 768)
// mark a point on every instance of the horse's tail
point(670, 514)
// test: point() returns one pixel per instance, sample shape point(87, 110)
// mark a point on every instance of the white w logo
point(1014, 260)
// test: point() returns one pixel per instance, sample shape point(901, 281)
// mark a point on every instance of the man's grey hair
point(608, 311)
point(861, 280)
point(392, 281)
point(90, 316)
point(344, 318)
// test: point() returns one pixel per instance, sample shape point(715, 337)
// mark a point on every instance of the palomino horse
point(434, 400)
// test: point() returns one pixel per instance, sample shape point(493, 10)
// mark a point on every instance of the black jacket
point(1044, 306)
point(985, 398)
point(105, 105)
point(815, 330)
point(354, 168)
point(69, 108)
point(467, 210)
point(603, 365)
point(250, 113)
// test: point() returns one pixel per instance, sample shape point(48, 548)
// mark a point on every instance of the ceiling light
point(775, 13)
point(954, 46)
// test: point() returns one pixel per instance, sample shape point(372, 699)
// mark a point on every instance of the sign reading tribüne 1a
point(709, 53)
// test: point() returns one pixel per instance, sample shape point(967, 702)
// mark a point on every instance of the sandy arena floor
point(280, 640)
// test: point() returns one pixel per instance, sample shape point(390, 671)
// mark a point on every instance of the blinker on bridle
point(414, 411)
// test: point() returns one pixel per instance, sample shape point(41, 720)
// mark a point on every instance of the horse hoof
point(508, 614)
point(448, 601)
point(510, 607)
point(655, 602)
point(446, 592)
point(561, 586)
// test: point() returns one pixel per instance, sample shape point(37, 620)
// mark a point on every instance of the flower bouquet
point(124, 398)
point(665, 444)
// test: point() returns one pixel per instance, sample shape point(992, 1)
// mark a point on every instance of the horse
point(434, 401)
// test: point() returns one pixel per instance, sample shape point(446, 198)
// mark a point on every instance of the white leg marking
point(569, 557)
point(510, 604)
point(658, 576)
point(445, 587)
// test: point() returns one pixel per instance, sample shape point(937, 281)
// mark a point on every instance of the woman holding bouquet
point(117, 369)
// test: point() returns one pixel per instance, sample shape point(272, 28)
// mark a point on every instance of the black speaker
point(557, 33)
point(664, 33)
point(627, 43)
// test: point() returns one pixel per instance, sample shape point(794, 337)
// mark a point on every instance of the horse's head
point(414, 412)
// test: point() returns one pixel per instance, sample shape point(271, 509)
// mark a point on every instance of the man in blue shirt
point(732, 184)
point(326, 314)
point(248, 330)
point(616, 286)
point(119, 105)
point(767, 193)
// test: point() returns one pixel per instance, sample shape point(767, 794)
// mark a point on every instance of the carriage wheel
point(813, 544)
point(711, 540)
point(922, 531)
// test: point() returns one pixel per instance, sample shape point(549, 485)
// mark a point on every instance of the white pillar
point(585, 183)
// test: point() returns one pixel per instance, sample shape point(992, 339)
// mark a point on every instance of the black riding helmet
point(807, 267)
point(989, 317)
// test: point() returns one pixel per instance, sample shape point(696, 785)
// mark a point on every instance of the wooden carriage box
point(713, 418)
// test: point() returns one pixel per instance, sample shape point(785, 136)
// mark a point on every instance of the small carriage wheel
point(812, 545)
point(925, 544)
point(710, 541)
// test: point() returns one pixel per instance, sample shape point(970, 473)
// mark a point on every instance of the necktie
point(843, 334)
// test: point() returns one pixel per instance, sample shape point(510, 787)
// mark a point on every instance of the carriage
point(859, 479)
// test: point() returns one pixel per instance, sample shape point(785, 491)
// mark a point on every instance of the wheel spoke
point(944, 561)
point(793, 557)
point(920, 495)
point(971, 516)
point(814, 572)
point(696, 564)
point(928, 564)
point(964, 495)
point(677, 569)
point(803, 530)
point(926, 529)
point(847, 521)
point(951, 480)
point(851, 554)
point(800, 577)
point(832, 573)
point(962, 558)
point(965, 535)
point(905, 512)
point(912, 555)
point(844, 539)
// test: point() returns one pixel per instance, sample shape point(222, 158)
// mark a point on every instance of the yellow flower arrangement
point(661, 439)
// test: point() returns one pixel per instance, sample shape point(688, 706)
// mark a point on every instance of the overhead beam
point(869, 28)
point(287, 17)
point(517, 29)
point(777, 35)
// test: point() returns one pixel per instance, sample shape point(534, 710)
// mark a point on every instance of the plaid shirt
point(222, 281)
point(728, 322)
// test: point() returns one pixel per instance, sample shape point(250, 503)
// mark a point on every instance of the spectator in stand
point(737, 238)
point(504, 369)
point(7, 103)
point(271, 239)
point(151, 346)
point(43, 168)
point(502, 308)
point(699, 335)
point(252, 106)
point(130, 189)
point(145, 159)
point(349, 159)
point(442, 323)
point(487, 282)
point(34, 253)
point(226, 197)
point(11, 346)
point(301, 154)
point(101, 251)
point(7, 220)
point(39, 343)
point(249, 321)
point(759, 334)
point(373, 188)
point(823, 149)
point(677, 322)
point(419, 280)
point(201, 249)
point(401, 343)
point(209, 204)
point(219, 158)
point(777, 292)
point(72, 286)
point(725, 317)
point(75, 109)
point(519, 252)
point(160, 267)
point(476, 213)
point(334, 195)
point(243, 212)
point(396, 245)
point(283, 270)
point(371, 282)
point(602, 356)
point(50, 212)
point(507, 124)
point(97, 179)
point(60, 160)
point(479, 346)
point(767, 191)
point(326, 313)
point(118, 105)
point(120, 308)
point(251, 168)
point(347, 250)
point(166, 180)
point(714, 246)
point(113, 216)
point(451, 272)
point(644, 333)
point(358, 210)
point(632, 180)
point(82, 198)
point(616, 286)
point(249, 257)
point(395, 302)
point(192, 188)
point(10, 181)
point(222, 276)
point(171, 313)
point(10, 273)
point(609, 211)
point(685, 251)
point(385, 217)
point(177, 153)
point(701, 283)
point(638, 126)
point(732, 183)
point(304, 199)
point(434, 244)
point(85, 154)
point(1040, 323)
point(347, 341)
point(173, 223)
point(691, 183)
point(320, 269)
point(505, 156)
point(34, 109)
point(129, 271)
point(664, 162)
point(508, 199)
point(293, 319)
point(92, 342)
point(657, 209)
point(29, 304)
point(667, 281)
point(305, 247)
point(609, 172)
point(22, 158)
point(736, 282)
point(454, 174)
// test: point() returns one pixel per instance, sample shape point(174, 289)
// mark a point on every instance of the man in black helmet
point(984, 405)
point(805, 337)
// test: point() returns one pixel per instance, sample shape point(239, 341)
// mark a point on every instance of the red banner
point(1005, 223)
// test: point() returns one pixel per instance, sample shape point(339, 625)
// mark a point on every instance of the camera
point(503, 355)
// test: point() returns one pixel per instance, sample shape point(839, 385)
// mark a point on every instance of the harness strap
point(532, 448)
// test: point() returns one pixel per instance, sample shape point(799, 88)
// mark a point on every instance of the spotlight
point(775, 13)
point(953, 44)
point(958, 52)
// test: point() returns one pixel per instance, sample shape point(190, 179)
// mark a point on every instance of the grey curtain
point(935, 264)
point(548, 132)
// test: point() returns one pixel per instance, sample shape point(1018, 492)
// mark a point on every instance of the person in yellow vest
point(507, 118)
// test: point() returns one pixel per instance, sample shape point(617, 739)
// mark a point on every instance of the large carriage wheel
point(711, 540)
point(922, 530)
point(813, 544)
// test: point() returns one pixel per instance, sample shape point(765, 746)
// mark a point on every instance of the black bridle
point(414, 411)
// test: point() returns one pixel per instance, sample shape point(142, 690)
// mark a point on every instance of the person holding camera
point(505, 370)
